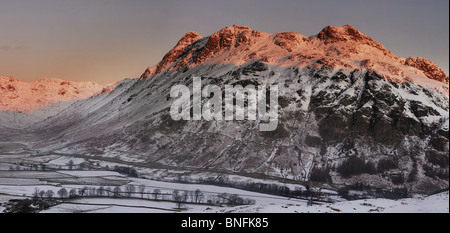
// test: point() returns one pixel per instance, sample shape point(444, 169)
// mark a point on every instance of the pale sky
point(108, 40)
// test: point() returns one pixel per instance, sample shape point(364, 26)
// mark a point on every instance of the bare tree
point(92, 191)
point(198, 196)
point(185, 196)
point(177, 198)
point(156, 193)
point(175, 195)
point(63, 193)
point(73, 193)
point(36, 193)
point(108, 191)
point(141, 189)
point(70, 164)
point(100, 191)
point(129, 189)
point(117, 191)
point(235, 200)
point(191, 195)
point(42, 193)
point(49, 194)
point(82, 191)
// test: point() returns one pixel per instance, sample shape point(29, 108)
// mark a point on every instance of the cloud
point(6, 48)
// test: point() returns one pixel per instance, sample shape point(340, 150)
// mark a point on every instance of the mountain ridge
point(26, 97)
point(334, 47)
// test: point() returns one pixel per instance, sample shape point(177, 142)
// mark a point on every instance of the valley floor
point(19, 180)
point(433, 204)
point(21, 188)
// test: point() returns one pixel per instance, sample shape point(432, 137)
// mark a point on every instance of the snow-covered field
point(27, 182)
point(438, 203)
point(21, 184)
point(433, 204)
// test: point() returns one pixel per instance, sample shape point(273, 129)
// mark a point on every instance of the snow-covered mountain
point(351, 112)
point(335, 48)
point(26, 97)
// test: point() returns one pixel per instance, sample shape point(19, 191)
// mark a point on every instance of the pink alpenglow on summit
point(335, 47)
point(26, 97)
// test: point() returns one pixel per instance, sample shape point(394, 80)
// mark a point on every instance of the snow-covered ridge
point(335, 47)
point(21, 96)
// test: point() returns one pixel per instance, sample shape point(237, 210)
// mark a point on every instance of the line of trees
point(22, 166)
point(267, 188)
point(71, 166)
point(183, 197)
point(131, 191)
point(43, 194)
point(28, 167)
point(355, 165)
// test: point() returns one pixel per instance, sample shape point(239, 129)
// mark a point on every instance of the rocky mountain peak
point(225, 38)
point(335, 48)
point(290, 40)
point(331, 34)
point(429, 68)
point(188, 39)
point(173, 54)
point(347, 34)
